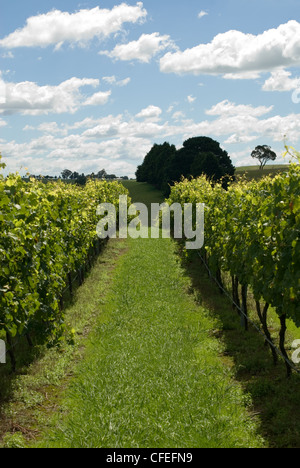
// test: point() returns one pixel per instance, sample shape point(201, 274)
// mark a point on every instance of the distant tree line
point(76, 178)
point(81, 179)
point(164, 165)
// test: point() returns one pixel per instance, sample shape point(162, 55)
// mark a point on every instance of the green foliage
point(2, 165)
point(47, 231)
point(163, 165)
point(293, 153)
point(252, 230)
point(14, 441)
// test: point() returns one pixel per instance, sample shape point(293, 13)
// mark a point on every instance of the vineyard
point(252, 232)
point(155, 350)
point(48, 234)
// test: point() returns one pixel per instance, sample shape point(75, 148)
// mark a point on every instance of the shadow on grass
point(276, 399)
point(27, 354)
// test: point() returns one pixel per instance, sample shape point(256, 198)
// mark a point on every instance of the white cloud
point(151, 112)
point(242, 124)
point(191, 99)
point(48, 128)
point(119, 142)
point(146, 47)
point(50, 155)
point(280, 80)
point(178, 115)
point(112, 80)
point(2, 90)
point(202, 14)
point(29, 98)
point(98, 99)
point(121, 128)
point(172, 107)
point(235, 139)
point(57, 27)
point(233, 124)
point(227, 108)
point(235, 52)
point(242, 76)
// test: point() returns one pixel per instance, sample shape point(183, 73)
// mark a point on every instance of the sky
point(94, 85)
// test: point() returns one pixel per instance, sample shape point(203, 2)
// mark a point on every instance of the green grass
point(149, 374)
point(152, 374)
point(28, 397)
point(143, 193)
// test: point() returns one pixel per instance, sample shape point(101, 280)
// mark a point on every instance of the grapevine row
point(252, 231)
point(47, 232)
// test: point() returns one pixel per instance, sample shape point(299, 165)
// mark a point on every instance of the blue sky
point(94, 84)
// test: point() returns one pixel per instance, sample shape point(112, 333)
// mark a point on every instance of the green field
point(254, 172)
point(143, 192)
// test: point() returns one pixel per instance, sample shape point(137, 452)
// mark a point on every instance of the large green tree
point(154, 169)
point(163, 165)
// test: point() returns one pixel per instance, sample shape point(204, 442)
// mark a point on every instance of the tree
point(264, 154)
point(202, 155)
point(81, 180)
point(207, 163)
point(66, 174)
point(74, 176)
point(102, 174)
point(164, 165)
point(217, 167)
point(156, 166)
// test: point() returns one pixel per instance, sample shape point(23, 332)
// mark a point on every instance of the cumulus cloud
point(98, 99)
point(48, 128)
point(235, 139)
point(244, 123)
point(2, 90)
point(28, 98)
point(150, 113)
point(119, 142)
point(242, 76)
point(120, 127)
point(235, 52)
point(146, 47)
point(280, 80)
point(57, 27)
point(227, 108)
point(50, 154)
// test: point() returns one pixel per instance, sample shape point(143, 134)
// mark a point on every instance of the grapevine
point(47, 232)
point(252, 231)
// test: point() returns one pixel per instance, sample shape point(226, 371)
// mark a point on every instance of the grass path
point(152, 375)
